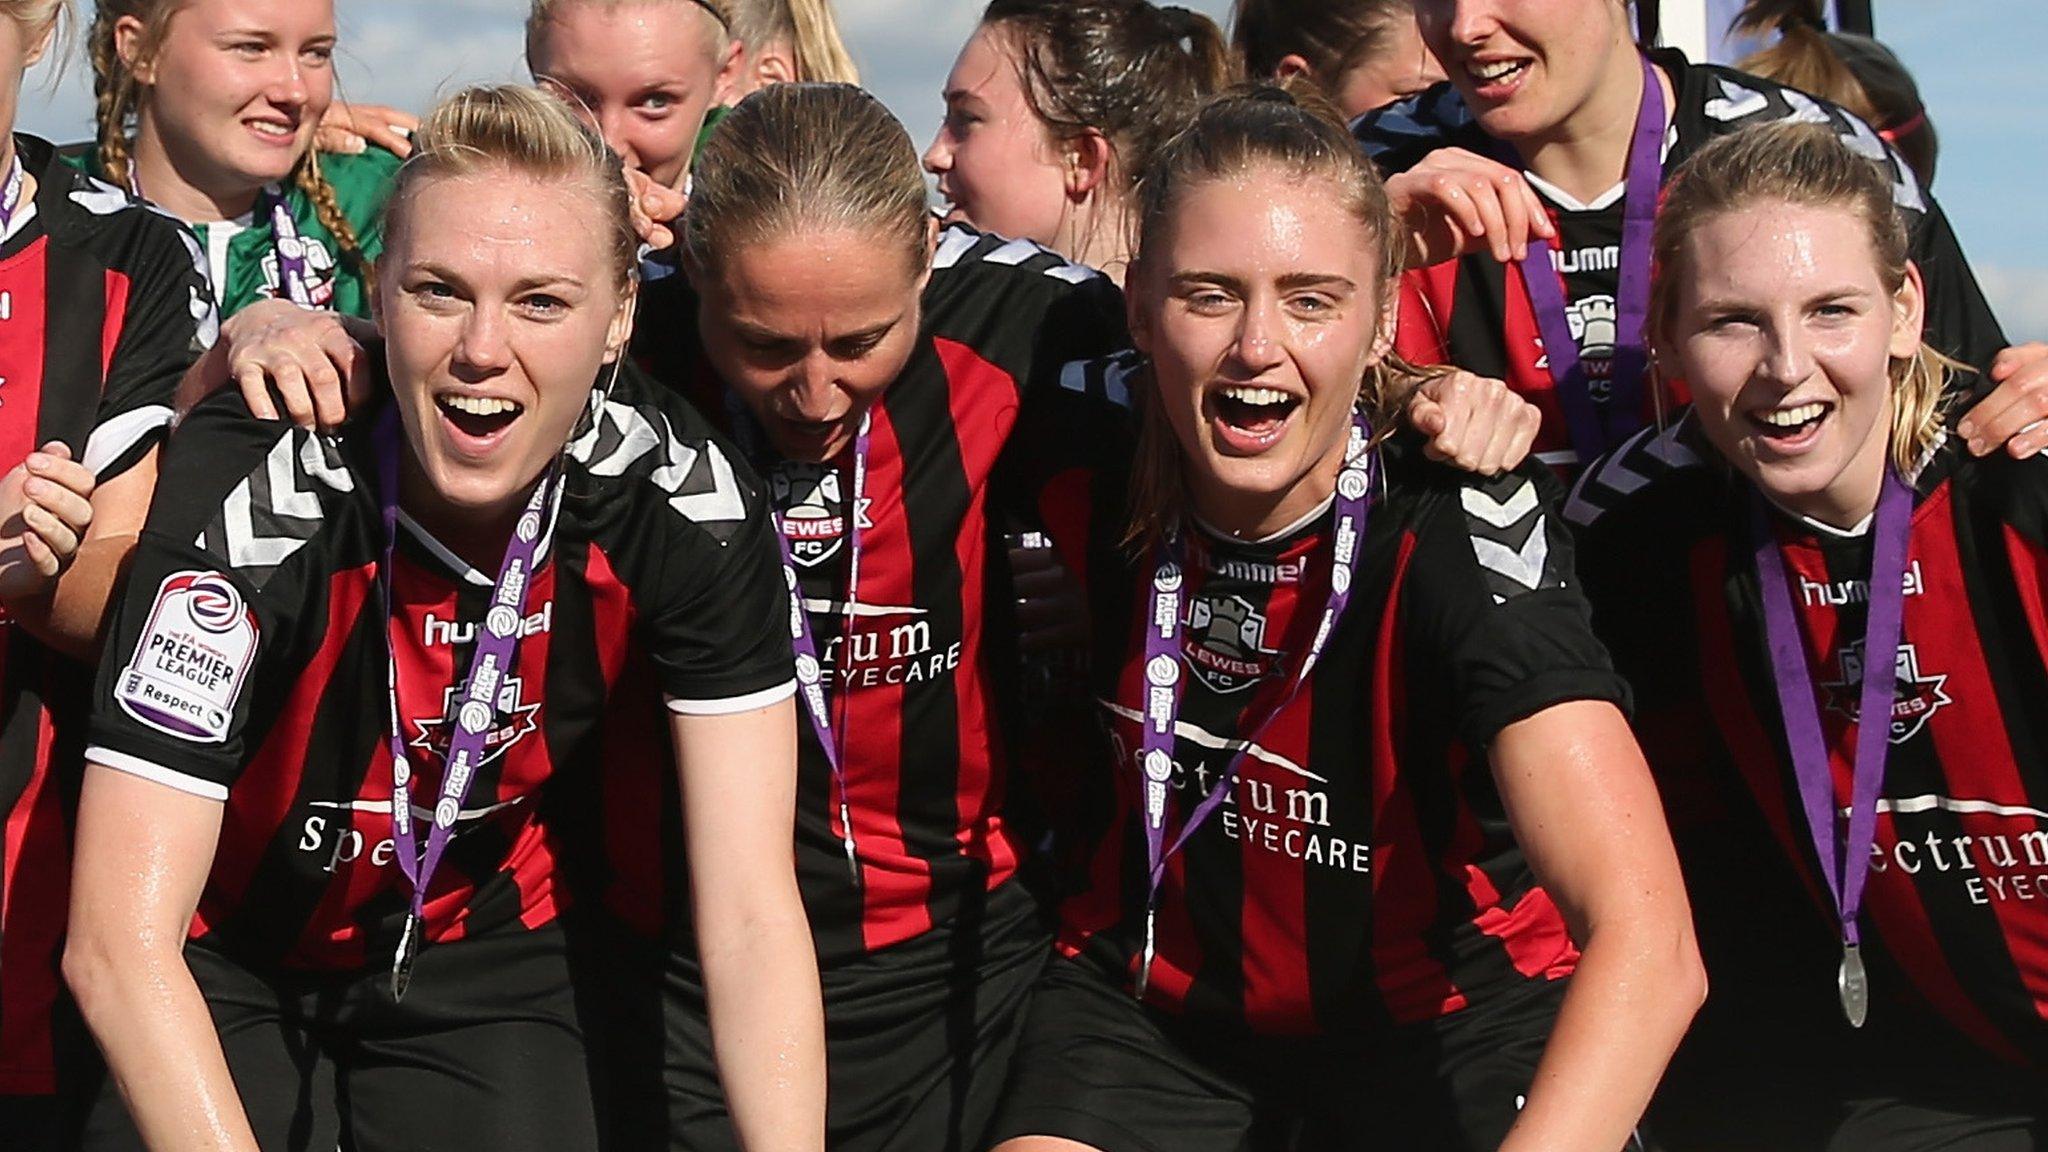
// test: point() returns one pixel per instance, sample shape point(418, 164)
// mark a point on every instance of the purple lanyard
point(810, 671)
point(294, 273)
point(10, 199)
point(475, 701)
point(1594, 432)
point(1845, 864)
point(1163, 676)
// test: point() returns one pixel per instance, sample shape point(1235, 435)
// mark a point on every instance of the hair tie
point(1906, 127)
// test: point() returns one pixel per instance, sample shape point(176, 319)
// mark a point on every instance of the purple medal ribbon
point(810, 671)
point(294, 273)
point(1163, 676)
point(1844, 864)
point(10, 199)
point(475, 701)
point(1594, 432)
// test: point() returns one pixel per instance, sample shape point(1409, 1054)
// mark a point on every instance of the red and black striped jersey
point(915, 665)
point(1475, 312)
point(248, 664)
point(102, 308)
point(1956, 909)
point(1361, 869)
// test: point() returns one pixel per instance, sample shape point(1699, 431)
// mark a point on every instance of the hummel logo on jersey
point(1916, 698)
point(1510, 536)
point(515, 720)
point(813, 504)
point(1837, 593)
point(276, 509)
point(1226, 643)
point(438, 633)
point(1600, 258)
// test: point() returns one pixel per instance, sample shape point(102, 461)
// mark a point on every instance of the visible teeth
point(269, 129)
point(1496, 70)
point(1260, 397)
point(479, 405)
point(1793, 417)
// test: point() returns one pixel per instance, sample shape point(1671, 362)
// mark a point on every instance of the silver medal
point(401, 959)
point(1854, 985)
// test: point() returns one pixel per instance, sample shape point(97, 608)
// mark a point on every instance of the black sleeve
point(167, 322)
point(1491, 590)
point(1959, 321)
point(198, 647)
point(718, 623)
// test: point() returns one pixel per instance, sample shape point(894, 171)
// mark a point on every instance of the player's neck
point(1588, 153)
point(475, 536)
point(1101, 242)
point(165, 185)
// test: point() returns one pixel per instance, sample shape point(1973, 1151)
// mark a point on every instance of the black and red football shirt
point(1955, 914)
point(915, 663)
point(102, 308)
point(247, 664)
point(1361, 870)
point(1475, 312)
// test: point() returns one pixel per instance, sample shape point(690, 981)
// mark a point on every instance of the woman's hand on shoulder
point(1455, 202)
point(1474, 423)
point(350, 129)
point(45, 509)
point(301, 364)
point(2015, 415)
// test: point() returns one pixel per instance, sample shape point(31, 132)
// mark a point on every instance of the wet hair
point(1332, 36)
point(542, 12)
point(118, 95)
point(1132, 70)
point(1294, 130)
point(1855, 72)
point(795, 159)
point(1806, 165)
point(807, 26)
point(523, 131)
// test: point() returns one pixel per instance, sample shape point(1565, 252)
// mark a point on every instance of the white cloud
point(2020, 298)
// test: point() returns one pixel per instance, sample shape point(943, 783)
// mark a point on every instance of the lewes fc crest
point(813, 504)
point(1226, 644)
point(1595, 324)
point(1916, 697)
point(514, 722)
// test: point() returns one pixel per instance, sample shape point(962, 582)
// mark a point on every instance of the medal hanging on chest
point(810, 669)
point(1596, 429)
point(473, 706)
point(1844, 858)
point(1160, 712)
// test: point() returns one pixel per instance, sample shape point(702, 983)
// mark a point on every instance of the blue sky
point(1971, 58)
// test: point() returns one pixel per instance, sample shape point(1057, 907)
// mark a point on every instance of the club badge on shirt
point(192, 660)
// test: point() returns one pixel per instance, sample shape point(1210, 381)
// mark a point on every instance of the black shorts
point(918, 1037)
point(483, 1052)
point(1100, 1068)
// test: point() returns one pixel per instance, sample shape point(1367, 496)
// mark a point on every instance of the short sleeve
point(718, 626)
point(166, 322)
point(1491, 592)
point(196, 646)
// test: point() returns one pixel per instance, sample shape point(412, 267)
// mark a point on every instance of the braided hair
point(118, 94)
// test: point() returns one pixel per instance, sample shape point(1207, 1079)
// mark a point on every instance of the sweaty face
point(997, 165)
point(810, 331)
point(237, 88)
point(1527, 67)
point(1260, 305)
point(642, 74)
point(1402, 67)
point(499, 302)
point(1784, 331)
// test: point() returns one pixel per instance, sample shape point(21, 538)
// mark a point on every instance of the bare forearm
point(71, 616)
point(1628, 1005)
point(160, 1044)
point(767, 1027)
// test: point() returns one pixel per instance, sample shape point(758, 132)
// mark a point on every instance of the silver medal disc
point(1854, 985)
